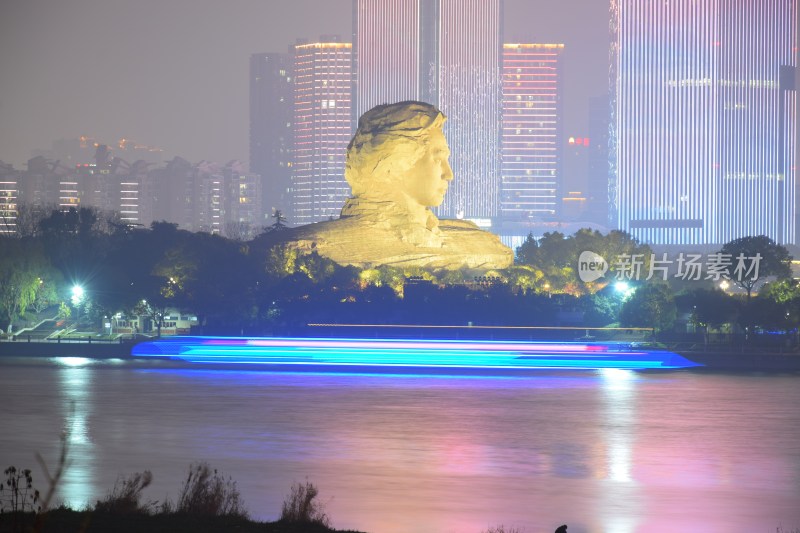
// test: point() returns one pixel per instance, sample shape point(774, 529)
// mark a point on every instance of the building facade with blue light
point(704, 120)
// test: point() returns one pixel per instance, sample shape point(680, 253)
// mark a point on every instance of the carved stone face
point(427, 181)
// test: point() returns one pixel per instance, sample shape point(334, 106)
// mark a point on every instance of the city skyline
point(183, 89)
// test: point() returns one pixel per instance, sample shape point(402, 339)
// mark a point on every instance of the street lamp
point(77, 295)
point(77, 298)
point(624, 289)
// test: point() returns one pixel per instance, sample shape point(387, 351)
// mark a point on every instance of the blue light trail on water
point(388, 355)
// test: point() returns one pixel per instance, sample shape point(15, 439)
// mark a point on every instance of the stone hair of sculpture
point(389, 140)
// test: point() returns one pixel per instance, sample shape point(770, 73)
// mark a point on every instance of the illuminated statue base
point(454, 245)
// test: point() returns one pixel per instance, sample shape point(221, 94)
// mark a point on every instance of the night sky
point(174, 73)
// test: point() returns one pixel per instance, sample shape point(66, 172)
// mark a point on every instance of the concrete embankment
point(95, 350)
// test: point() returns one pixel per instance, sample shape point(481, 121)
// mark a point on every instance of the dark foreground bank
point(64, 520)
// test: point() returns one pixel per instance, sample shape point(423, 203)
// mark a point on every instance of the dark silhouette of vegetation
point(207, 503)
point(17, 493)
point(278, 225)
point(302, 507)
point(125, 497)
point(206, 492)
point(774, 261)
point(652, 305)
point(502, 529)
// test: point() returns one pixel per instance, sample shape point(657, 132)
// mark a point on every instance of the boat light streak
point(389, 353)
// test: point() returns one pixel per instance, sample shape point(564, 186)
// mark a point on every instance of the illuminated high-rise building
point(271, 113)
point(386, 53)
point(322, 130)
point(9, 199)
point(446, 53)
point(704, 116)
point(226, 200)
point(532, 131)
point(598, 167)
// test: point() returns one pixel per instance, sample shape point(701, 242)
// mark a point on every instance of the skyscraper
point(322, 130)
point(271, 113)
point(386, 53)
point(597, 188)
point(704, 136)
point(532, 131)
point(9, 199)
point(446, 53)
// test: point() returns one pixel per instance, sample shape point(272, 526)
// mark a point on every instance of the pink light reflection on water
point(611, 451)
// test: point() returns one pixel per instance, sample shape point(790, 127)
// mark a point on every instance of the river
point(602, 451)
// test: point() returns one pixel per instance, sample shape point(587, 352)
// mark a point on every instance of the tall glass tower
point(322, 120)
point(704, 116)
point(271, 114)
point(446, 53)
point(532, 131)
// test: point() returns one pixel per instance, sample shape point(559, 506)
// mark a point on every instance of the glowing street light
point(77, 298)
point(624, 289)
point(77, 295)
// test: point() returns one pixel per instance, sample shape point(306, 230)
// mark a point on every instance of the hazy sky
point(174, 73)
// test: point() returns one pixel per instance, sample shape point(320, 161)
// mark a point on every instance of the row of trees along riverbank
point(262, 287)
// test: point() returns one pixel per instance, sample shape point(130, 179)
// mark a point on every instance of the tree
point(650, 306)
point(557, 256)
point(239, 231)
point(753, 259)
point(155, 310)
point(30, 217)
point(278, 225)
point(21, 263)
point(784, 295)
point(525, 278)
point(708, 307)
point(47, 291)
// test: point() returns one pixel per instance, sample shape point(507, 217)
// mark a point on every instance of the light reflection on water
point(619, 506)
point(610, 451)
point(78, 481)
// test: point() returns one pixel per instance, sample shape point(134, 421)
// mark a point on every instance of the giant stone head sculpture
point(399, 150)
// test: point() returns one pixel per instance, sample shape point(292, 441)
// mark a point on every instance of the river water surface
point(604, 451)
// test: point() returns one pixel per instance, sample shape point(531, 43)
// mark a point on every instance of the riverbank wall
point(92, 350)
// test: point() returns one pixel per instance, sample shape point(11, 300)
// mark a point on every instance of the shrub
point(126, 495)
point(209, 493)
point(17, 493)
point(502, 529)
point(300, 506)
